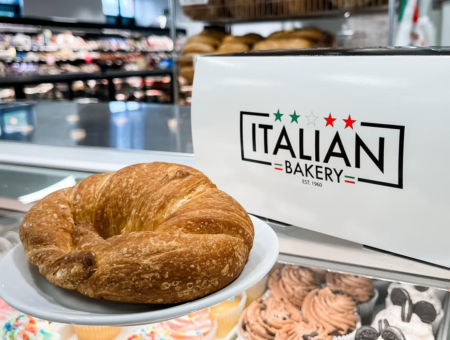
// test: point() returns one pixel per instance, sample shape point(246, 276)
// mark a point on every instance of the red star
point(349, 122)
point(330, 120)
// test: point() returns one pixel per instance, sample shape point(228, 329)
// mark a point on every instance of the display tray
point(25, 289)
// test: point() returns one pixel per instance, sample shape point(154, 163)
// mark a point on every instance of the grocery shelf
point(103, 29)
point(19, 82)
point(37, 79)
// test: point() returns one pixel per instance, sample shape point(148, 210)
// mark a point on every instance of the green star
point(294, 117)
point(278, 115)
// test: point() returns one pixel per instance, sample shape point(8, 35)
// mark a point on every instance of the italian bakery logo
point(324, 149)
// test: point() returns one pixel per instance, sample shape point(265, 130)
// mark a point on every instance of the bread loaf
point(195, 47)
point(245, 39)
point(233, 48)
point(149, 233)
point(310, 33)
point(187, 72)
point(204, 39)
point(277, 44)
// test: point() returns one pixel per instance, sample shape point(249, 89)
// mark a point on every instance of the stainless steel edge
point(443, 333)
point(374, 273)
point(305, 247)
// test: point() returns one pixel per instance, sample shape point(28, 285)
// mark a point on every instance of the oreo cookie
point(421, 288)
point(392, 333)
point(400, 297)
point(366, 333)
point(425, 311)
point(382, 324)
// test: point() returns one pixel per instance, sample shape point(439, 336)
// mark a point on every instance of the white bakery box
point(341, 152)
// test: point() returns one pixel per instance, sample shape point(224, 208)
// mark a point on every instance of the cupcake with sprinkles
point(149, 333)
point(199, 326)
point(25, 327)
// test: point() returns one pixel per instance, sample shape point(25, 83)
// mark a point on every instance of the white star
point(312, 119)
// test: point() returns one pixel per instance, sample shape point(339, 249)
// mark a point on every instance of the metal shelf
point(37, 79)
point(92, 28)
point(238, 11)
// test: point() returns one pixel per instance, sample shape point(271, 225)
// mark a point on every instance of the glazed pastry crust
point(148, 233)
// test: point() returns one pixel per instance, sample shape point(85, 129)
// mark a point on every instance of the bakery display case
point(322, 287)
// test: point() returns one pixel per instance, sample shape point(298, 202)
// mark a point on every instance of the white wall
point(81, 10)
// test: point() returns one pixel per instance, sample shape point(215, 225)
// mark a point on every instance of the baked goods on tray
point(148, 233)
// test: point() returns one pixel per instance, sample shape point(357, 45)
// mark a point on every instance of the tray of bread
point(148, 243)
point(214, 41)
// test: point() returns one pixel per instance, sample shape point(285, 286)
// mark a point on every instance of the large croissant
point(149, 233)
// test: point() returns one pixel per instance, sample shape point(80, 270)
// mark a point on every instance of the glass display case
point(321, 288)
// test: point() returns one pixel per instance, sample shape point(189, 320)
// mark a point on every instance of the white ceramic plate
point(24, 288)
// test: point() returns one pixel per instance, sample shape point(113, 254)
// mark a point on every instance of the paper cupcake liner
point(96, 332)
point(349, 336)
point(436, 323)
point(256, 291)
point(382, 287)
point(228, 320)
point(365, 309)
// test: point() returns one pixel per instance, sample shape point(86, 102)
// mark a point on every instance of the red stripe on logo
point(350, 182)
point(279, 169)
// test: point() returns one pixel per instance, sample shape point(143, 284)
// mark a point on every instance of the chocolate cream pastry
point(264, 317)
point(292, 283)
point(358, 287)
point(333, 310)
point(301, 331)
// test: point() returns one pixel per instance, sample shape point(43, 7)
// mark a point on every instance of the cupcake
point(227, 314)
point(292, 283)
point(149, 333)
point(6, 312)
point(23, 326)
point(199, 326)
point(425, 304)
point(386, 331)
point(265, 317)
point(334, 311)
point(301, 331)
point(418, 292)
point(409, 326)
point(96, 332)
point(256, 291)
point(359, 288)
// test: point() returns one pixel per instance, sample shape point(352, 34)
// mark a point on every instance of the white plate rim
point(270, 252)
